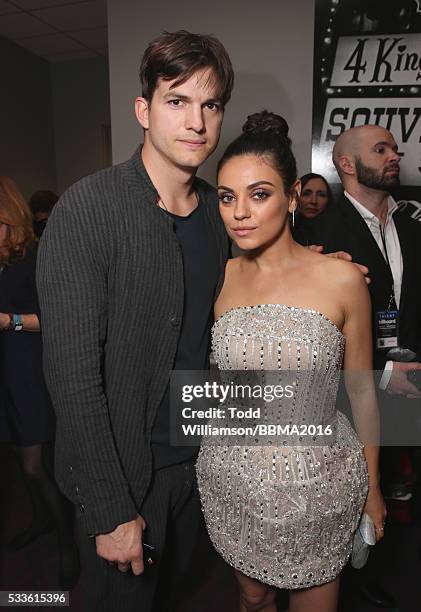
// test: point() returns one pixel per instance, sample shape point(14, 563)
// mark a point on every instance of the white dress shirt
point(394, 254)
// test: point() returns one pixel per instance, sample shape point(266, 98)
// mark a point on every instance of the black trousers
point(173, 517)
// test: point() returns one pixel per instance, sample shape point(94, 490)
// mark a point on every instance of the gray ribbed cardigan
point(110, 283)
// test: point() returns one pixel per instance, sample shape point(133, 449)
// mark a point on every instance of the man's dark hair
point(42, 201)
point(178, 55)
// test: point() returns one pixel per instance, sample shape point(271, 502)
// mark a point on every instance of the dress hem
point(284, 585)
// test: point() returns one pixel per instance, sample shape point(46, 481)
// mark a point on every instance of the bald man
point(365, 222)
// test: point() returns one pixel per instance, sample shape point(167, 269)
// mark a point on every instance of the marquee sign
point(367, 69)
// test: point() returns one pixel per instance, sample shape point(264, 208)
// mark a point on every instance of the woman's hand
point(376, 510)
point(4, 321)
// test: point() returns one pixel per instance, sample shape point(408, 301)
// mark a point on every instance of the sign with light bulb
point(367, 69)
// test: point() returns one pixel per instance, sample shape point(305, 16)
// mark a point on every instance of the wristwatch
point(17, 322)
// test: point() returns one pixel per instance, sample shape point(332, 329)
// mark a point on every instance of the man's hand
point(123, 546)
point(318, 248)
point(345, 257)
point(399, 383)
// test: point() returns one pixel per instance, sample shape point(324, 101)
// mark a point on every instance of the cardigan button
point(174, 321)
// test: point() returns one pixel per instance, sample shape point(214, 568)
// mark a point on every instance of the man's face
point(183, 123)
point(377, 165)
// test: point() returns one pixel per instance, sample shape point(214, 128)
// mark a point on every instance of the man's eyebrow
point(174, 94)
point(385, 143)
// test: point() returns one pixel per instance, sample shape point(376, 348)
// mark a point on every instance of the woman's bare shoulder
point(340, 274)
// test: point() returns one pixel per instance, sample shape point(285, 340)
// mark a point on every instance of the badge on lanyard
point(387, 321)
point(387, 329)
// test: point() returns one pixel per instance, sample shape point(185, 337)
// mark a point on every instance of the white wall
point(51, 118)
point(81, 107)
point(270, 44)
point(27, 140)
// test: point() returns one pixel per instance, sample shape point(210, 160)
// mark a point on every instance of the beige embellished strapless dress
point(284, 515)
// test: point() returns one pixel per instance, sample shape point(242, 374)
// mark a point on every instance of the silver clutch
point(364, 537)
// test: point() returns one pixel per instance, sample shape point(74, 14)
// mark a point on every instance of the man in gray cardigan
point(128, 270)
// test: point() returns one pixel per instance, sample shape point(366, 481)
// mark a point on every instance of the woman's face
point(314, 198)
point(252, 201)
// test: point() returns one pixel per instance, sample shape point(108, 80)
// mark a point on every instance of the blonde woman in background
point(26, 415)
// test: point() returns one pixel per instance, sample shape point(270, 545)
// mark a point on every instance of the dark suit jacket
point(341, 228)
point(110, 282)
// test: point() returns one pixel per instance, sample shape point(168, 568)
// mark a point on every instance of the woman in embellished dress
point(283, 515)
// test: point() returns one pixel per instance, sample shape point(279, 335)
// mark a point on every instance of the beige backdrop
point(271, 47)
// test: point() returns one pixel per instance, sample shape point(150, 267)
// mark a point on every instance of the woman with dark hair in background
point(26, 417)
point(315, 195)
point(41, 204)
point(284, 513)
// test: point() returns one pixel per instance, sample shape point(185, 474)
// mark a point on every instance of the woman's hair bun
point(267, 122)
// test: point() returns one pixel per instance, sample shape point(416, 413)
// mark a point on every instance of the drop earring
point(292, 213)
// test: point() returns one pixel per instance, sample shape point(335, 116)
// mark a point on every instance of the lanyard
point(392, 302)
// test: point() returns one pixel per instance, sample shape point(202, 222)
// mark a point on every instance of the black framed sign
point(367, 69)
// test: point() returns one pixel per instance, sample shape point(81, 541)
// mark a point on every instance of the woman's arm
point(30, 322)
point(359, 381)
